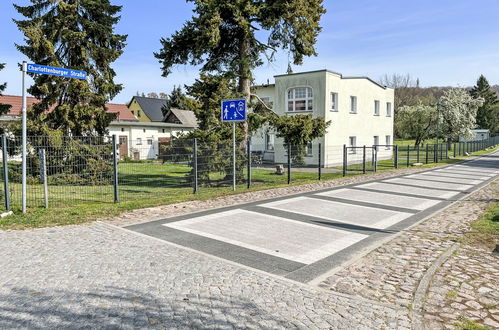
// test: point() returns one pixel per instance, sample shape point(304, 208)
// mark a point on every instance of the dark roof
point(151, 106)
point(186, 117)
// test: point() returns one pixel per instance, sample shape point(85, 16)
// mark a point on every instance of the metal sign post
point(232, 112)
point(40, 69)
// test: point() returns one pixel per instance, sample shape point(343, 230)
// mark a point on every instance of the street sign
point(53, 71)
point(234, 110)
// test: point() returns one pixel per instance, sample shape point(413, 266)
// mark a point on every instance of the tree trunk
point(245, 76)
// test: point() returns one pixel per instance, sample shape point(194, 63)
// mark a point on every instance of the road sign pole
point(234, 156)
point(24, 136)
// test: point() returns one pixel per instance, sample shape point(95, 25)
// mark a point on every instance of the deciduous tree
point(416, 122)
point(77, 34)
point(457, 111)
point(4, 108)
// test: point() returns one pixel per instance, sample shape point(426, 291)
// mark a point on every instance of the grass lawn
point(144, 184)
point(485, 231)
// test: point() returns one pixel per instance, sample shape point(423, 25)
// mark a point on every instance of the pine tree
point(484, 113)
point(178, 100)
point(4, 108)
point(76, 34)
point(224, 36)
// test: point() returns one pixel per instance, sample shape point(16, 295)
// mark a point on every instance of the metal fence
point(63, 171)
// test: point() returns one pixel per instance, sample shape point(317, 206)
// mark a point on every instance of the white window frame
point(388, 109)
point(333, 98)
point(266, 141)
point(139, 141)
point(388, 141)
point(376, 107)
point(352, 145)
point(353, 104)
point(309, 149)
point(307, 99)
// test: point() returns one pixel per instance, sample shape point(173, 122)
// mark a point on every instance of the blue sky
point(443, 42)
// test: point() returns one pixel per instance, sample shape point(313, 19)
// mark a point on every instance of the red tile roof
point(16, 102)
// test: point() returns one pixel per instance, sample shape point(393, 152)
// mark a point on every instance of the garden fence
point(65, 171)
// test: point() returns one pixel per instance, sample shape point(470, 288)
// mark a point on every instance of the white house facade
point(360, 111)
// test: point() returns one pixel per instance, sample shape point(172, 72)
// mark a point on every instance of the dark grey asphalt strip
point(235, 253)
point(315, 220)
point(399, 194)
point(416, 186)
point(366, 204)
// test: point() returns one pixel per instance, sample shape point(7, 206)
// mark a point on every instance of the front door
point(123, 146)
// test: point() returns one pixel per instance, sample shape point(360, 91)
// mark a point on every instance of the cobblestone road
point(98, 276)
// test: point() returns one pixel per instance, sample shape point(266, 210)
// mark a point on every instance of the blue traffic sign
point(234, 110)
point(70, 73)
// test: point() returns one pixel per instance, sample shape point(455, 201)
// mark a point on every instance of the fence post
point(320, 156)
point(455, 145)
point(289, 163)
point(5, 160)
point(396, 162)
point(195, 165)
point(344, 160)
point(435, 152)
point(418, 153)
point(447, 150)
point(364, 159)
point(249, 162)
point(43, 177)
point(115, 169)
point(408, 155)
point(375, 158)
point(426, 154)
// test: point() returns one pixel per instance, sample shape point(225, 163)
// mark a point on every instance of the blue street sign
point(70, 73)
point(234, 110)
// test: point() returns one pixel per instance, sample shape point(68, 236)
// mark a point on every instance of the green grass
point(466, 324)
point(401, 142)
point(485, 231)
point(142, 184)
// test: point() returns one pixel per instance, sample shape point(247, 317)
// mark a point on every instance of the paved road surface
point(303, 236)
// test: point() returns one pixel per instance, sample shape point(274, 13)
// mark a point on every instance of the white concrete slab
point(433, 174)
point(475, 169)
point(429, 184)
point(443, 179)
point(347, 213)
point(462, 172)
point(424, 192)
point(414, 203)
point(280, 237)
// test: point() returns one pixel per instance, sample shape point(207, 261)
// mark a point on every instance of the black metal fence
point(64, 171)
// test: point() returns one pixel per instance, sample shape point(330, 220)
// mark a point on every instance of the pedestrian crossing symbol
point(234, 110)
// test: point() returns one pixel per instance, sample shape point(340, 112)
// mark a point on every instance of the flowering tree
point(457, 111)
point(416, 122)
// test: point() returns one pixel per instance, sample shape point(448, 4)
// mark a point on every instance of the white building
point(477, 135)
point(360, 111)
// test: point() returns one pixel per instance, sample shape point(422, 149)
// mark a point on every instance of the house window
point(388, 141)
point(376, 108)
point(138, 113)
point(269, 142)
point(388, 109)
point(139, 141)
point(352, 142)
point(300, 99)
point(144, 130)
point(309, 149)
point(376, 140)
point(122, 129)
point(149, 141)
point(163, 130)
point(334, 101)
point(353, 104)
